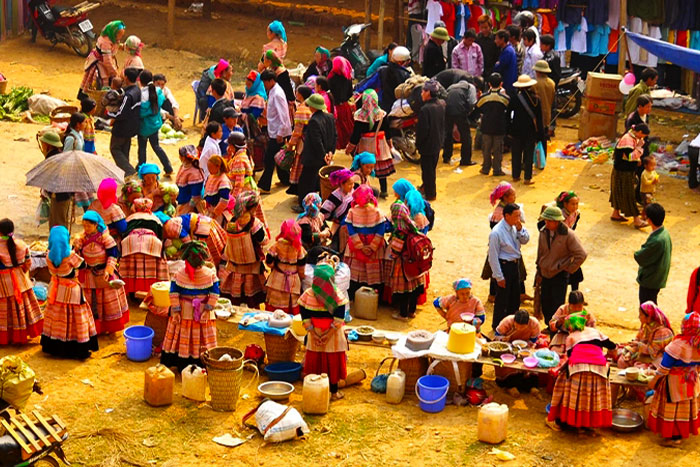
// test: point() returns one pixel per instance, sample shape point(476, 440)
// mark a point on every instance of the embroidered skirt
point(69, 331)
point(582, 400)
point(20, 321)
point(242, 288)
point(669, 419)
point(185, 340)
point(110, 309)
point(622, 197)
point(140, 271)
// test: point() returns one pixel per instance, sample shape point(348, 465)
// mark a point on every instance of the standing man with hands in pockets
point(505, 241)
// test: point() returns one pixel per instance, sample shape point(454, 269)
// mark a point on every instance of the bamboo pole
point(368, 19)
point(622, 47)
point(380, 26)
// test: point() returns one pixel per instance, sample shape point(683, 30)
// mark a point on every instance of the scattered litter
point(229, 441)
point(11, 196)
point(458, 170)
point(87, 382)
point(149, 443)
point(409, 427)
point(502, 455)
point(622, 308)
point(109, 410)
point(245, 397)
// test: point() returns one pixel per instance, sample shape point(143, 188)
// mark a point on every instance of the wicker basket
point(446, 369)
point(281, 348)
point(97, 95)
point(225, 385)
point(63, 109)
point(211, 358)
point(324, 174)
point(414, 369)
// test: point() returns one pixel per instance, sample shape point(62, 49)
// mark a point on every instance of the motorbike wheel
point(567, 107)
point(406, 145)
point(47, 461)
point(81, 43)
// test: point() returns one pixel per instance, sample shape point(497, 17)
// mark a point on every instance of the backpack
point(417, 256)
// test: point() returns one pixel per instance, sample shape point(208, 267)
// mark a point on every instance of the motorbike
point(351, 49)
point(66, 25)
point(31, 442)
point(569, 94)
point(405, 139)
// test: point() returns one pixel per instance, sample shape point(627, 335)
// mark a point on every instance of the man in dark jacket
point(526, 127)
point(126, 122)
point(549, 56)
point(434, 58)
point(430, 136)
point(216, 112)
point(460, 101)
point(319, 144)
point(486, 41)
point(493, 107)
point(388, 77)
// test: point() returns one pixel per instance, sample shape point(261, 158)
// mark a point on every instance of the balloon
point(625, 88)
point(629, 79)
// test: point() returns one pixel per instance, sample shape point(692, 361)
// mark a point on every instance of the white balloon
point(625, 88)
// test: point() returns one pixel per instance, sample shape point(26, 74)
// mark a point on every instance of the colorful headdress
point(323, 51)
point(93, 216)
point(274, 58)
point(401, 218)
point(246, 201)
point(499, 191)
point(576, 322)
point(361, 159)
point(323, 286)
point(189, 151)
point(107, 192)
point(363, 195)
point(220, 67)
point(341, 176)
point(565, 197)
point(257, 88)
point(460, 284)
point(415, 202)
point(341, 67)
point(276, 27)
point(194, 253)
point(111, 29)
point(690, 329)
point(290, 231)
point(311, 204)
point(146, 169)
point(134, 44)
point(652, 311)
point(143, 205)
point(401, 187)
point(370, 111)
point(59, 245)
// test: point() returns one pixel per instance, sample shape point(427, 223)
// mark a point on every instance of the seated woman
point(314, 230)
point(321, 65)
point(581, 397)
point(520, 326)
point(322, 309)
point(452, 307)
point(653, 336)
point(150, 186)
point(674, 412)
point(556, 324)
point(336, 207)
point(286, 260)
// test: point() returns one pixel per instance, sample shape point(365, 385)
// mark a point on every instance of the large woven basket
point(97, 95)
point(324, 174)
point(446, 369)
point(281, 348)
point(225, 386)
point(211, 358)
point(414, 369)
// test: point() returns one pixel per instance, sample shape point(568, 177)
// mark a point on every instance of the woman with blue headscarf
point(150, 185)
point(106, 296)
point(255, 96)
point(69, 328)
point(420, 209)
point(277, 36)
point(363, 166)
point(314, 230)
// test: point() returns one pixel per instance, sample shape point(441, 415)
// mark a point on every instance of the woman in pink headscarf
point(108, 208)
point(223, 70)
point(648, 347)
point(286, 262)
point(340, 81)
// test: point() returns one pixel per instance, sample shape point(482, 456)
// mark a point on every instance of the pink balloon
point(629, 79)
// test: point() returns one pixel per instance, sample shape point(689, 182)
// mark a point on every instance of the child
point(194, 291)
point(69, 328)
point(323, 88)
point(150, 185)
point(336, 207)
point(452, 307)
point(211, 146)
point(189, 180)
point(314, 230)
point(73, 136)
point(366, 245)
point(649, 181)
point(242, 272)
point(114, 97)
point(108, 304)
point(230, 125)
point(217, 189)
point(87, 108)
point(556, 324)
point(20, 315)
point(363, 166)
point(286, 259)
point(405, 292)
point(493, 107)
point(133, 46)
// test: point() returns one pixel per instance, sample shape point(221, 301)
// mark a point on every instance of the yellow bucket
point(161, 294)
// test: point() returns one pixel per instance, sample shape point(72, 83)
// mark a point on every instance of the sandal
point(552, 424)
point(641, 225)
point(618, 219)
point(337, 396)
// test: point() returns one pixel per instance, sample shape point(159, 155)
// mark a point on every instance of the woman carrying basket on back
point(101, 64)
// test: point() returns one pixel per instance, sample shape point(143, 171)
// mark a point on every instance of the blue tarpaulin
point(681, 56)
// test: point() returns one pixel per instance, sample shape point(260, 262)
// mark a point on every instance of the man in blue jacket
point(507, 64)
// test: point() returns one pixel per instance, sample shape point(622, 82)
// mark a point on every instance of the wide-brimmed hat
point(440, 33)
point(524, 81)
point(51, 138)
point(542, 66)
point(552, 213)
point(316, 101)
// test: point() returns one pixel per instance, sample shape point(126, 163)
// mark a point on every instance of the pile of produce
point(168, 133)
point(15, 103)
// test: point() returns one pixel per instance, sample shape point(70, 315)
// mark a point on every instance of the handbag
point(540, 157)
point(375, 143)
point(285, 158)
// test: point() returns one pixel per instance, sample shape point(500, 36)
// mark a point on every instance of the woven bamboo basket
point(446, 369)
point(97, 95)
point(414, 369)
point(225, 386)
point(211, 358)
point(324, 175)
point(281, 348)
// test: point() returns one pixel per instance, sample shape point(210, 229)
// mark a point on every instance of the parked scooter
point(351, 49)
point(405, 139)
point(67, 25)
point(568, 99)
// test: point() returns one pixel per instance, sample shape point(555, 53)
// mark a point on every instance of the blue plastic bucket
point(431, 391)
point(284, 371)
point(139, 340)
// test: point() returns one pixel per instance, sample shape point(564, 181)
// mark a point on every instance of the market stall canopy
point(73, 171)
point(681, 56)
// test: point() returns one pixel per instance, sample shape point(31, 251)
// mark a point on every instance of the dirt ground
point(109, 422)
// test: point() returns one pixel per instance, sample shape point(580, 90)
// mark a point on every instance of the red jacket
point(694, 292)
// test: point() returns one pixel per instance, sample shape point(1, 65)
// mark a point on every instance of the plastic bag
point(379, 383)
point(290, 426)
point(43, 105)
point(42, 212)
point(285, 159)
point(16, 381)
point(540, 157)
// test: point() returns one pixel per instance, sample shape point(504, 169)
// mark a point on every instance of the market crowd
point(211, 215)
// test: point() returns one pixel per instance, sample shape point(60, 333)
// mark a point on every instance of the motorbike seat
point(566, 71)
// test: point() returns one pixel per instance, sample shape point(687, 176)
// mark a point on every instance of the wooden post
point(398, 22)
point(380, 25)
point(368, 19)
point(171, 21)
point(622, 46)
point(206, 9)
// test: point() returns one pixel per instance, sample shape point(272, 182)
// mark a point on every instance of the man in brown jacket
point(559, 253)
point(546, 91)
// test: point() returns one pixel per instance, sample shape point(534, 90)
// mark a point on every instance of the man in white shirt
point(279, 129)
point(532, 53)
point(211, 146)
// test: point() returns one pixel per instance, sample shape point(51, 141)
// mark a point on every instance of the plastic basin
point(284, 371)
point(139, 341)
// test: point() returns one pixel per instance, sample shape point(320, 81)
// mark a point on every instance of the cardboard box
point(596, 124)
point(603, 86)
point(602, 106)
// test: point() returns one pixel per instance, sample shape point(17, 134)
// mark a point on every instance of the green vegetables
point(14, 103)
point(168, 132)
